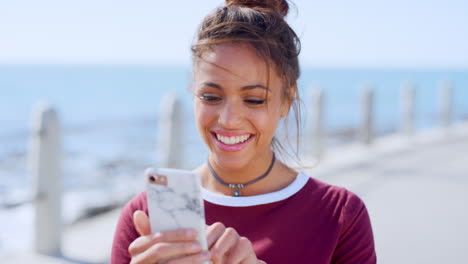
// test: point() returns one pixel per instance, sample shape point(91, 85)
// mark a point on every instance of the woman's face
point(237, 105)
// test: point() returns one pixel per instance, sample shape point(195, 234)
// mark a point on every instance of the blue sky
point(340, 33)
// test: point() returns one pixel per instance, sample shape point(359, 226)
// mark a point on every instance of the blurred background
point(106, 67)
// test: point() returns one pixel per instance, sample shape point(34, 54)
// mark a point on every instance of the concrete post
point(170, 137)
point(446, 103)
point(45, 172)
point(318, 134)
point(407, 106)
point(366, 131)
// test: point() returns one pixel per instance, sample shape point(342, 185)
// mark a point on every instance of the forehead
point(234, 62)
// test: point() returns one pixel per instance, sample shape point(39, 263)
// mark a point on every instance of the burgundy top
point(307, 222)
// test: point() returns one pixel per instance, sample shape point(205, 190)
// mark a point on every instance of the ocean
point(109, 116)
point(92, 94)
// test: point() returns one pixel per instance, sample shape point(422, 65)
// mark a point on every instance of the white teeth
point(232, 140)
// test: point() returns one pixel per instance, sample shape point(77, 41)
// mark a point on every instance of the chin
point(232, 161)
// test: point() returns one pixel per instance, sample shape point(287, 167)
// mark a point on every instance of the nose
point(231, 115)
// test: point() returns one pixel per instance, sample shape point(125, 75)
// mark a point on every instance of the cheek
point(266, 121)
point(203, 117)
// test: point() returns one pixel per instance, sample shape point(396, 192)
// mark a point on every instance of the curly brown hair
point(260, 24)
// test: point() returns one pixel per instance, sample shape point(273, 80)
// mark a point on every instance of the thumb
point(141, 222)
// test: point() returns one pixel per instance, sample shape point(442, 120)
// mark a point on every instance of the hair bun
point(279, 6)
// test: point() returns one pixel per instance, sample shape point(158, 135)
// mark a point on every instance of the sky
point(334, 33)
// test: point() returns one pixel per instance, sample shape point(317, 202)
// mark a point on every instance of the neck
point(241, 175)
point(279, 177)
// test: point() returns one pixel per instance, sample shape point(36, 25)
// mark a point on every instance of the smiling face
point(238, 105)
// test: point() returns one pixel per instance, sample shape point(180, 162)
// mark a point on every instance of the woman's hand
point(227, 247)
point(153, 248)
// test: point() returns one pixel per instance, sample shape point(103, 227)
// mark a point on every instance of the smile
point(232, 140)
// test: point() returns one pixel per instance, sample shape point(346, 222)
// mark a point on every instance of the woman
point(258, 210)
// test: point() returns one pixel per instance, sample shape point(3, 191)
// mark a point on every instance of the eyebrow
point(247, 87)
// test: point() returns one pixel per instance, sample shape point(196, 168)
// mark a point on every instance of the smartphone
point(175, 201)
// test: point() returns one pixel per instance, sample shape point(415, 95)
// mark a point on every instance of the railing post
point(366, 131)
point(446, 103)
point(318, 133)
point(45, 172)
point(170, 147)
point(407, 108)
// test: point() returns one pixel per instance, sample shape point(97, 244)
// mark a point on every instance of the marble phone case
point(175, 201)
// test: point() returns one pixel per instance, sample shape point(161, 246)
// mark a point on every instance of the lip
point(230, 133)
point(231, 148)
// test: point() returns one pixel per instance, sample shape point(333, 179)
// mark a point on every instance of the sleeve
point(125, 232)
point(356, 241)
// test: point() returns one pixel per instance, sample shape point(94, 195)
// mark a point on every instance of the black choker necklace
point(239, 186)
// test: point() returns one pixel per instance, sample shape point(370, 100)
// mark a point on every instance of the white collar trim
point(267, 198)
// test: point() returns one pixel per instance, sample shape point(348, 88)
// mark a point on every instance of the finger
point(242, 252)
point(214, 232)
point(141, 222)
point(144, 242)
point(222, 247)
point(252, 259)
point(139, 245)
point(195, 258)
point(162, 251)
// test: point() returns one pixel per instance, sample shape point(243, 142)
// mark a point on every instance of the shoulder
point(329, 192)
point(339, 200)
point(125, 223)
point(138, 202)
point(125, 232)
point(355, 242)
